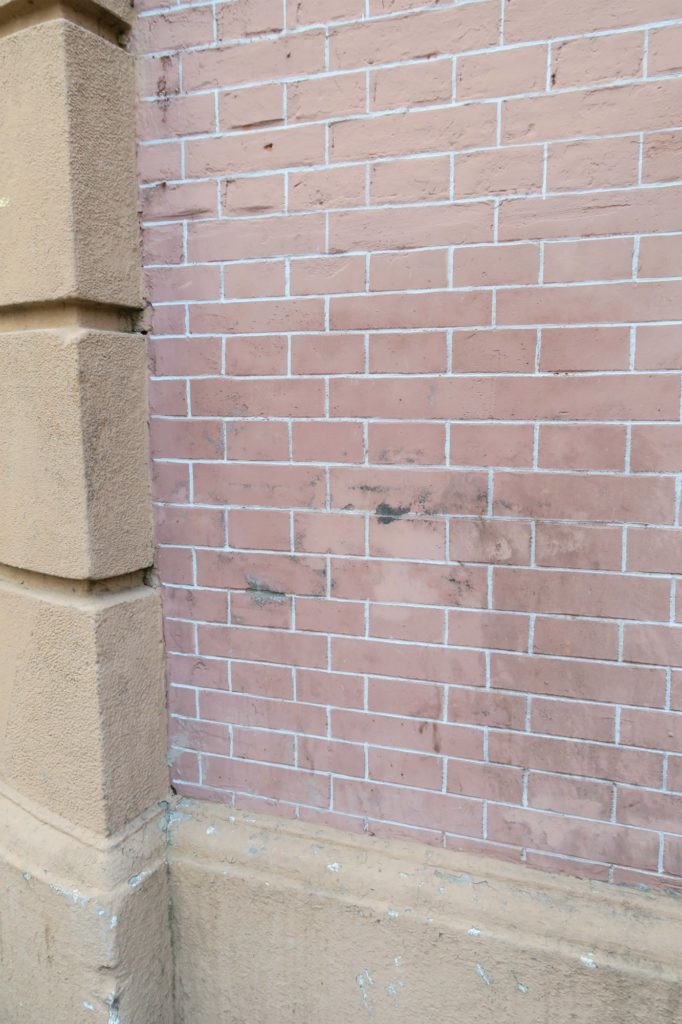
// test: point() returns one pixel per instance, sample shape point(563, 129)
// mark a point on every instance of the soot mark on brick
point(435, 734)
point(263, 593)
point(389, 513)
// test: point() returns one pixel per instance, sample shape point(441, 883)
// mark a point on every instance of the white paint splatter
point(483, 974)
point(588, 960)
point(364, 980)
point(112, 1003)
point(74, 896)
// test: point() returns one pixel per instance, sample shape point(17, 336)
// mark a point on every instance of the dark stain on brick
point(389, 513)
point(263, 593)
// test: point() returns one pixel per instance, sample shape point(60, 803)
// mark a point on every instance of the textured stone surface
point(318, 926)
point(67, 217)
point(84, 933)
point(73, 453)
point(82, 730)
point(108, 11)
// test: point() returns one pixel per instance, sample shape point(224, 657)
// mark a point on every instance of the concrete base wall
point(276, 921)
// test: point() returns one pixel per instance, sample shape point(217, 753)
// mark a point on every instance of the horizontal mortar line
point(451, 565)
point(377, 69)
point(369, 641)
point(523, 656)
point(373, 641)
point(82, 835)
point(416, 332)
point(333, 120)
point(463, 517)
point(576, 663)
point(457, 290)
point(377, 375)
point(342, 776)
point(396, 421)
point(227, 173)
point(441, 248)
point(456, 150)
point(60, 313)
point(321, 773)
point(40, 581)
point(410, 605)
point(456, 687)
point(314, 30)
point(407, 15)
point(456, 517)
point(400, 330)
point(362, 116)
point(412, 468)
point(575, 660)
point(424, 792)
point(21, 14)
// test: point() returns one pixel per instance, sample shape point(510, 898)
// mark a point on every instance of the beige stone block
point(82, 716)
point(317, 925)
point(68, 224)
point(111, 12)
point(75, 497)
point(84, 935)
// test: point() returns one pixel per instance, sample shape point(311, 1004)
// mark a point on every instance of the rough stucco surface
point(84, 908)
point(122, 10)
point(68, 227)
point(83, 925)
point(73, 453)
point(276, 922)
point(81, 703)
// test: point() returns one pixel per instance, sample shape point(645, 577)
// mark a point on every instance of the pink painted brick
point(415, 279)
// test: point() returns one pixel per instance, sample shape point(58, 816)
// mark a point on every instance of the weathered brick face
point(416, 272)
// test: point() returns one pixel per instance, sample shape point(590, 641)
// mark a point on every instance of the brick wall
point(417, 282)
